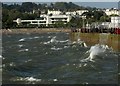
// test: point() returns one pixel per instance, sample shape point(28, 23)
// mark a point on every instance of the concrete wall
point(112, 40)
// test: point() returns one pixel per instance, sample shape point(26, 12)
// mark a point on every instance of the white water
point(0, 56)
point(20, 45)
point(54, 48)
point(80, 42)
point(53, 40)
point(96, 50)
point(22, 50)
point(36, 37)
point(21, 40)
point(30, 79)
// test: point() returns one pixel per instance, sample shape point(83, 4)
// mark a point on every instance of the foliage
point(94, 14)
point(64, 6)
point(75, 22)
point(30, 10)
point(105, 19)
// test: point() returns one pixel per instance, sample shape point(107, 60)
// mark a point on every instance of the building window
point(42, 21)
point(53, 22)
point(34, 22)
point(52, 18)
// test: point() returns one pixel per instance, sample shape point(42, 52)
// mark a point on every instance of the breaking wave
point(54, 40)
point(21, 40)
point(96, 51)
point(54, 48)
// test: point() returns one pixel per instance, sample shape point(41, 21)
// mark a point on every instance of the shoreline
point(33, 30)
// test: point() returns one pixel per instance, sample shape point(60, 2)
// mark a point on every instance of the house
point(46, 20)
point(111, 12)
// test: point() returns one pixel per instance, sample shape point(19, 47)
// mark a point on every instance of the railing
point(97, 30)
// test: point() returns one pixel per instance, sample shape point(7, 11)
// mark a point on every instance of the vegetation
point(29, 10)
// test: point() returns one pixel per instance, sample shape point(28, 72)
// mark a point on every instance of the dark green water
point(52, 58)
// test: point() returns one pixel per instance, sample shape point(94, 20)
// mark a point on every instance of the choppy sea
point(52, 58)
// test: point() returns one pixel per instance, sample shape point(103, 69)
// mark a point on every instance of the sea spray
point(95, 51)
point(53, 39)
point(78, 42)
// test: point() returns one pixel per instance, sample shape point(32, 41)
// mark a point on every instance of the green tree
point(105, 19)
point(75, 22)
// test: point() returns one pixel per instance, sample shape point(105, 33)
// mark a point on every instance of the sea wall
point(112, 40)
point(33, 30)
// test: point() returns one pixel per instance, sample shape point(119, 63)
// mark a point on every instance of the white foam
point(46, 53)
point(66, 46)
point(3, 58)
point(94, 51)
point(85, 65)
point(0, 56)
point(28, 60)
point(63, 41)
point(85, 44)
point(67, 33)
point(80, 65)
point(47, 42)
point(12, 64)
point(53, 39)
point(21, 40)
point(30, 79)
point(36, 37)
point(74, 64)
point(80, 42)
point(54, 48)
point(23, 50)
point(3, 65)
point(74, 42)
point(118, 73)
point(20, 45)
point(49, 36)
point(55, 80)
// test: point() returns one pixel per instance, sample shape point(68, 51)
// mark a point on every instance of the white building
point(111, 11)
point(64, 18)
point(46, 20)
point(79, 12)
point(54, 12)
point(115, 22)
point(71, 13)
